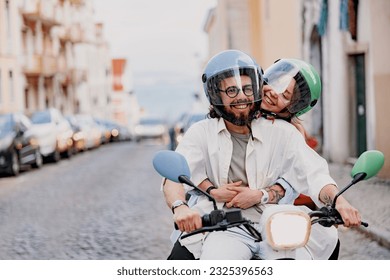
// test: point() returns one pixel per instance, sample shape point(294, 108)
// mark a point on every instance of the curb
point(380, 236)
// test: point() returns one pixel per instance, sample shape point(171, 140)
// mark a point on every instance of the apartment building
point(11, 98)
point(124, 106)
point(347, 40)
point(53, 54)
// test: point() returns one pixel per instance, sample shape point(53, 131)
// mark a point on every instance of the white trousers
point(234, 244)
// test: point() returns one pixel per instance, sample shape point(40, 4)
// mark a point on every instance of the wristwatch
point(176, 204)
point(209, 189)
point(265, 197)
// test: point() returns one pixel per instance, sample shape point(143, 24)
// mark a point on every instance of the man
point(235, 157)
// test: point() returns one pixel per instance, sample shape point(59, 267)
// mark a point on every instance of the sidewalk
point(371, 198)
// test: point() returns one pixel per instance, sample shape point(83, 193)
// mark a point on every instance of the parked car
point(18, 144)
point(176, 132)
point(124, 133)
point(54, 133)
point(91, 129)
point(149, 127)
point(78, 137)
point(109, 128)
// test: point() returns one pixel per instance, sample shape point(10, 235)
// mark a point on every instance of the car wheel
point(38, 160)
point(56, 156)
point(14, 168)
point(67, 154)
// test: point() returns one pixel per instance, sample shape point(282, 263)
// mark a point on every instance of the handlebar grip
point(205, 221)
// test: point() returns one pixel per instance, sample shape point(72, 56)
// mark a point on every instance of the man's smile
point(240, 106)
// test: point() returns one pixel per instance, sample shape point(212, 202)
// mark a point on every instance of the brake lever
point(203, 229)
point(224, 225)
point(334, 218)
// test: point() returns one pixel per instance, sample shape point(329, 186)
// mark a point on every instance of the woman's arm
point(349, 214)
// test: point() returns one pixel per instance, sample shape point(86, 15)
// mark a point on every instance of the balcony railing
point(49, 64)
point(45, 11)
point(37, 65)
point(76, 33)
point(33, 65)
point(73, 33)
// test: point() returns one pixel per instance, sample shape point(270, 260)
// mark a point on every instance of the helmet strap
point(250, 130)
point(271, 115)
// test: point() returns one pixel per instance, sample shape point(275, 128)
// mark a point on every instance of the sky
point(164, 44)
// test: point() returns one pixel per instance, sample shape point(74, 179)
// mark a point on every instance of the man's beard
point(242, 118)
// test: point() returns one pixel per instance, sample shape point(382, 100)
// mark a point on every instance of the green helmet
point(307, 90)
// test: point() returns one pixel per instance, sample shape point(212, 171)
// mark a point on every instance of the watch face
point(265, 197)
point(177, 203)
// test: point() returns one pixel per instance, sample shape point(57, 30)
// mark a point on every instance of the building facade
point(125, 108)
point(11, 98)
point(345, 40)
point(53, 54)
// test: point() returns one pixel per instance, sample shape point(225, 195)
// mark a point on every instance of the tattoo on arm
point(276, 195)
point(325, 198)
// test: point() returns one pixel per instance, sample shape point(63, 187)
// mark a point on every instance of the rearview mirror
point(174, 166)
point(369, 163)
point(171, 165)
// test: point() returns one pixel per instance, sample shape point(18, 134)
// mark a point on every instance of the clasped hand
point(236, 195)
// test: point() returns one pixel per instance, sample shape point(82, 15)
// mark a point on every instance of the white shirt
point(276, 150)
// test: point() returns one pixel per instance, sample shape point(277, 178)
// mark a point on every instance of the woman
point(292, 87)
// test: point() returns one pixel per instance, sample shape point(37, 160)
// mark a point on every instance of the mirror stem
point(357, 178)
point(185, 180)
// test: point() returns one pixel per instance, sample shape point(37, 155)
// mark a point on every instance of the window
point(1, 88)
point(9, 30)
point(11, 86)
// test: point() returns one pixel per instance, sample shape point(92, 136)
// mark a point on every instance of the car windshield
point(41, 117)
point(196, 118)
point(150, 122)
point(5, 124)
point(193, 119)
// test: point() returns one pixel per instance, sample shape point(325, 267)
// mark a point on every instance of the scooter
point(284, 227)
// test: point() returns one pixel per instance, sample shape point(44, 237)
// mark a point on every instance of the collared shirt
point(276, 150)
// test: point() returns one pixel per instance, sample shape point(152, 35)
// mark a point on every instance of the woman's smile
point(269, 100)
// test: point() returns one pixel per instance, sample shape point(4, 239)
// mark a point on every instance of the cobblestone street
point(107, 204)
point(104, 204)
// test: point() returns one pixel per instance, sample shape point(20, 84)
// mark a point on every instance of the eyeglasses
point(233, 91)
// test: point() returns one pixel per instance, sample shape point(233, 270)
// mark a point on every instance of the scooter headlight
point(288, 230)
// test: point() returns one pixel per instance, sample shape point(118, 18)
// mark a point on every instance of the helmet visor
point(279, 76)
point(236, 83)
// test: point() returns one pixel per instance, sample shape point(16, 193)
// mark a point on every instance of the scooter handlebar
point(328, 216)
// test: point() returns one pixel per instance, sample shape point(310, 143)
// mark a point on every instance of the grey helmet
point(226, 64)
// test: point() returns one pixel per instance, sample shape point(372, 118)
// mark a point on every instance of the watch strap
point(265, 197)
point(176, 204)
point(209, 189)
